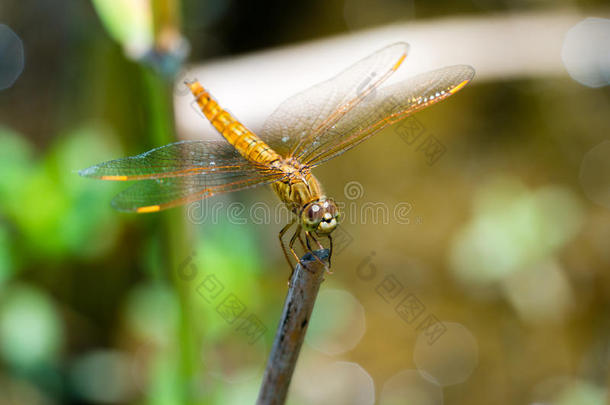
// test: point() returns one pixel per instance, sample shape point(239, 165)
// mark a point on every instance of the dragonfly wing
point(159, 194)
point(301, 118)
point(179, 173)
point(183, 158)
point(386, 106)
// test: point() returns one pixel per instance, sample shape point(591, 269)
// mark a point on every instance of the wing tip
point(471, 70)
point(88, 172)
point(125, 202)
point(459, 86)
point(116, 204)
point(119, 205)
point(467, 73)
point(402, 44)
point(404, 47)
point(470, 73)
point(92, 172)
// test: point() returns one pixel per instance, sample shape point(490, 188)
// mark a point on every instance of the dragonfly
point(305, 131)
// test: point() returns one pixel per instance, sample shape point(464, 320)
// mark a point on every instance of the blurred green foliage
point(54, 216)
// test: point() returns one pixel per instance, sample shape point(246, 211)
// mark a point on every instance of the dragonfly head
point(321, 216)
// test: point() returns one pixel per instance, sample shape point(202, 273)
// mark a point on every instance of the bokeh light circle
point(595, 174)
point(31, 330)
point(586, 52)
point(233, 359)
point(337, 323)
point(11, 57)
point(568, 390)
point(102, 376)
point(152, 313)
point(409, 387)
point(450, 358)
point(338, 383)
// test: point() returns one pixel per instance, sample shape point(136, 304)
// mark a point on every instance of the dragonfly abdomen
point(245, 141)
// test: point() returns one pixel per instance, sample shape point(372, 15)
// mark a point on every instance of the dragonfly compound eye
point(312, 216)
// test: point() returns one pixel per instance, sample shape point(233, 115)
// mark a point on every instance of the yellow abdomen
point(245, 141)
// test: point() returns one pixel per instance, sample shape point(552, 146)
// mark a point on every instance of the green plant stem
point(177, 239)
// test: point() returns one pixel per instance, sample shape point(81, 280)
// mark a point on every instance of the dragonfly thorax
point(302, 194)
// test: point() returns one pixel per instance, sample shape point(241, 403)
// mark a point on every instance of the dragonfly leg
point(302, 243)
point(330, 252)
point(307, 236)
point(297, 234)
point(281, 237)
point(315, 240)
point(310, 235)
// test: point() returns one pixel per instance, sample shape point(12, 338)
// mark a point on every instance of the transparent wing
point(179, 173)
point(184, 158)
point(301, 118)
point(159, 194)
point(384, 107)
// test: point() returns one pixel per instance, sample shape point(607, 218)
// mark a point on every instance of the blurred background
point(474, 272)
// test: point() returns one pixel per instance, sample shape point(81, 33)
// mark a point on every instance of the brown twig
point(302, 293)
